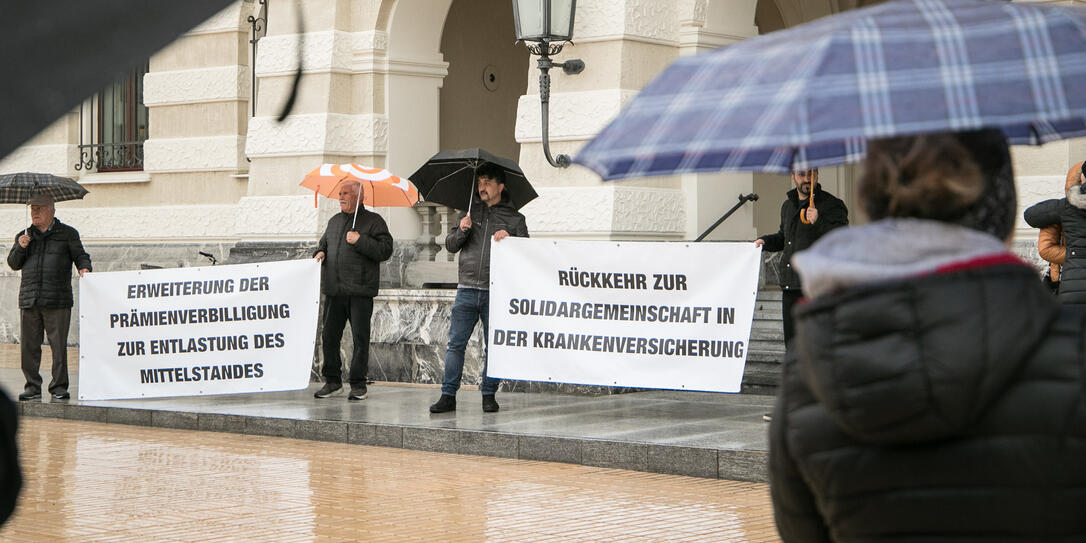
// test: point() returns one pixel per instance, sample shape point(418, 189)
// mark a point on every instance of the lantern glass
point(544, 20)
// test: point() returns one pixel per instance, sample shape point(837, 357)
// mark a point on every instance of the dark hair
point(941, 176)
point(491, 171)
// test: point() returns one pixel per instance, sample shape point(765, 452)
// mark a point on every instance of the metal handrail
point(743, 198)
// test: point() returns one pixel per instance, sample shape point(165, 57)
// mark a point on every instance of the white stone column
point(624, 44)
point(330, 122)
point(705, 26)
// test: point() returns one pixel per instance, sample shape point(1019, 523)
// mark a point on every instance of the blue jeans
point(471, 305)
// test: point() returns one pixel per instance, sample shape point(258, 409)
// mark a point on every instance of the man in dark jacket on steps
point(45, 253)
point(494, 219)
point(803, 221)
point(350, 252)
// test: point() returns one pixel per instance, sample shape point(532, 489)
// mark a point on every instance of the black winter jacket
point(795, 236)
point(474, 244)
point(354, 270)
point(948, 407)
point(46, 265)
point(1073, 275)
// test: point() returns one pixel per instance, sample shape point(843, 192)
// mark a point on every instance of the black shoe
point(27, 395)
point(444, 404)
point(490, 405)
point(61, 395)
point(327, 390)
point(768, 417)
point(358, 392)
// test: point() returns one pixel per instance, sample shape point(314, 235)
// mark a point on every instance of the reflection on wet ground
point(89, 481)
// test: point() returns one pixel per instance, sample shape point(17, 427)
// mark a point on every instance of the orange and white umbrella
point(379, 188)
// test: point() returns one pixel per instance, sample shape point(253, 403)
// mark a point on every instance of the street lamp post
point(544, 26)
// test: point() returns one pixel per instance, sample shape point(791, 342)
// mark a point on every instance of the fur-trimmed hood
point(1073, 187)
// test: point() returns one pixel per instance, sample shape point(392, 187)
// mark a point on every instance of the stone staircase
point(766, 349)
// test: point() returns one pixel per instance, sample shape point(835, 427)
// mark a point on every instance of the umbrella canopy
point(19, 188)
point(379, 187)
point(70, 49)
point(449, 178)
point(812, 95)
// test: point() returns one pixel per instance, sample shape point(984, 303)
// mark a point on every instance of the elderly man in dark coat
point(45, 253)
point(350, 252)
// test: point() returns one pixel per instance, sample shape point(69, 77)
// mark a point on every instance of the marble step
point(769, 357)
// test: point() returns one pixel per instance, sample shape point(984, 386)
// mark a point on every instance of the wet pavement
point(95, 482)
point(682, 433)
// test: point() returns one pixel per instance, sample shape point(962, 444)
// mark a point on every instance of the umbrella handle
point(803, 212)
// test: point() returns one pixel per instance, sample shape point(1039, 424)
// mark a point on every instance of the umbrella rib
point(451, 174)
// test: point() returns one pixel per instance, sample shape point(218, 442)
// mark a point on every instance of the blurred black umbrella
point(62, 51)
point(449, 178)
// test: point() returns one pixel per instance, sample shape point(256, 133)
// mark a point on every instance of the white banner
point(629, 314)
point(192, 331)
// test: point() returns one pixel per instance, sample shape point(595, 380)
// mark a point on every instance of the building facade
point(185, 153)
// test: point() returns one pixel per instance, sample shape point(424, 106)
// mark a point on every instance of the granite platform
point(684, 433)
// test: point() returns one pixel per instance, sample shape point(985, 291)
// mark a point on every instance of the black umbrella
point(449, 178)
point(19, 188)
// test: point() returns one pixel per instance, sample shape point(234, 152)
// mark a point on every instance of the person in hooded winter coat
point(936, 389)
point(1069, 214)
point(1050, 245)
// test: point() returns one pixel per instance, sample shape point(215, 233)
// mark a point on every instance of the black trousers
point(34, 323)
point(338, 311)
point(789, 298)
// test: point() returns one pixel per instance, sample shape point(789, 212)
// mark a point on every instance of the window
point(116, 127)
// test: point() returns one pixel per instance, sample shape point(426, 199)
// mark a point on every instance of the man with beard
point(492, 218)
point(806, 215)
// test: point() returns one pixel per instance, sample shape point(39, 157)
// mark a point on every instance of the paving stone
point(750, 466)
point(615, 454)
point(387, 435)
point(488, 444)
point(172, 419)
point(690, 461)
point(550, 449)
point(268, 426)
point(431, 439)
point(216, 422)
point(322, 430)
point(138, 417)
point(361, 433)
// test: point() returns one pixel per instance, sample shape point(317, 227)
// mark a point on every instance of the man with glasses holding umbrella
point(45, 253)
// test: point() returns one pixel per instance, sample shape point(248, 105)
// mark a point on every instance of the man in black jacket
point(802, 223)
point(496, 220)
point(45, 253)
point(354, 244)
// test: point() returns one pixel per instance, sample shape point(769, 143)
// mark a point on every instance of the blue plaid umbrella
point(812, 95)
